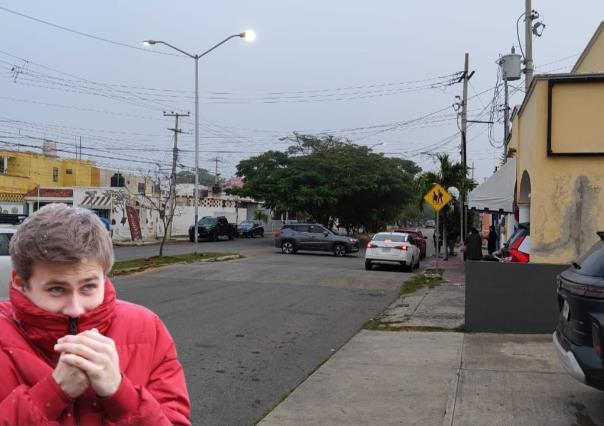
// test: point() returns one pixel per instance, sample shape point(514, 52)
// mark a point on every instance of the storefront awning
point(94, 202)
point(497, 192)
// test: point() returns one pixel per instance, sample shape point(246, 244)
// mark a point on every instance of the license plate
point(565, 310)
point(385, 249)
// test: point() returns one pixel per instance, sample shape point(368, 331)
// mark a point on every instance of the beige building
point(557, 140)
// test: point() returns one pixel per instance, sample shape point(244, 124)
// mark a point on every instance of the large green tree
point(330, 179)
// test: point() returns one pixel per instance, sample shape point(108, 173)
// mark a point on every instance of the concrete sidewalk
point(440, 378)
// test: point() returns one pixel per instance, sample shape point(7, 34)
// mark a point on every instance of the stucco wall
point(577, 124)
point(566, 200)
point(593, 60)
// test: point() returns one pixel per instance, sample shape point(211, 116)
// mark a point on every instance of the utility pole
point(528, 42)
point(216, 160)
point(216, 174)
point(176, 131)
point(464, 157)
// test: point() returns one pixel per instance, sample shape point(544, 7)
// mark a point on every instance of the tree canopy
point(188, 176)
point(330, 179)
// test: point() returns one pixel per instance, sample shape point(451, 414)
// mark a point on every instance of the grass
point(429, 278)
point(376, 325)
point(127, 267)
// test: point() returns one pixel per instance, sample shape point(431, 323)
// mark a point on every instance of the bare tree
point(163, 201)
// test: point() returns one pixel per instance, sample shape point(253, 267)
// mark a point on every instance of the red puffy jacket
point(153, 389)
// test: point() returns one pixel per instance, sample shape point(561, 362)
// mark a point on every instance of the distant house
point(22, 172)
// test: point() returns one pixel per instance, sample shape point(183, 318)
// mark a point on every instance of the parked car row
point(399, 248)
point(212, 228)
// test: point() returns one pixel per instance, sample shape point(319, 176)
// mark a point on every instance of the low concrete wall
point(511, 297)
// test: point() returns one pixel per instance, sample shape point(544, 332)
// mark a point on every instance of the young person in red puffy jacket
point(70, 352)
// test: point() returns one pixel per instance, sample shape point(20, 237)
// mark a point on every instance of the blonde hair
point(58, 233)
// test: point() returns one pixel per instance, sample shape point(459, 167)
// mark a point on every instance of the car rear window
point(397, 238)
point(208, 221)
point(592, 262)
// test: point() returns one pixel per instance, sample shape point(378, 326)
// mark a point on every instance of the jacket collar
point(42, 328)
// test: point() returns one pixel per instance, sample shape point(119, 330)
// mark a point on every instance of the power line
point(60, 27)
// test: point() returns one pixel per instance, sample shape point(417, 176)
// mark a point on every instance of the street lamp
point(247, 35)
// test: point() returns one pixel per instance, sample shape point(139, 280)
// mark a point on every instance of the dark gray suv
point(313, 237)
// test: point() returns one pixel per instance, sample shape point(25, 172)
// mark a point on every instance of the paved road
point(249, 331)
point(236, 245)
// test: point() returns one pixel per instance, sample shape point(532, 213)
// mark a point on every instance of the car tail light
point(403, 248)
point(371, 245)
point(581, 289)
point(596, 338)
point(278, 233)
point(519, 257)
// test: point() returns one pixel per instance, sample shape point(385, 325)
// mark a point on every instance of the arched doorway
point(524, 199)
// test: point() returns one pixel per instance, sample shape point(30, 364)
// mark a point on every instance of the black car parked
point(578, 337)
point(213, 227)
point(250, 228)
point(313, 237)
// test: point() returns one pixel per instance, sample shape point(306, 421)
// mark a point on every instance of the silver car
point(392, 248)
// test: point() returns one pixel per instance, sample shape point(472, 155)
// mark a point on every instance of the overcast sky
point(377, 73)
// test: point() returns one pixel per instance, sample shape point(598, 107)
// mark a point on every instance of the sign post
point(437, 198)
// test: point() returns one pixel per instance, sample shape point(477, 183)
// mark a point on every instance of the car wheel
point(406, 268)
point(262, 234)
point(212, 237)
point(287, 247)
point(230, 235)
point(368, 265)
point(191, 238)
point(339, 250)
point(417, 264)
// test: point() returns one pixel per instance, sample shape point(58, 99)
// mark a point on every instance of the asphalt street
point(249, 331)
point(222, 245)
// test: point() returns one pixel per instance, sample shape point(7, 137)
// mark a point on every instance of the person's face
point(70, 289)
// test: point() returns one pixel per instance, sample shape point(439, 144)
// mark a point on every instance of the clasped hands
point(87, 359)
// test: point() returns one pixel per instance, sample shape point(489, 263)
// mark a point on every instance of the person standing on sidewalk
point(473, 246)
point(492, 240)
point(70, 352)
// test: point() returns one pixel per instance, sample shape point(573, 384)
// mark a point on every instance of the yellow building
point(557, 140)
point(22, 172)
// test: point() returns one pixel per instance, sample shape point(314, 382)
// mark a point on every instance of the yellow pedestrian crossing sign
point(437, 197)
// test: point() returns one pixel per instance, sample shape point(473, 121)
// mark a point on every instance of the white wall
point(185, 217)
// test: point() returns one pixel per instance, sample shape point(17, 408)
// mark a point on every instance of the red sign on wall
point(135, 226)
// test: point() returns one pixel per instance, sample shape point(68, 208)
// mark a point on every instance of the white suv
point(6, 232)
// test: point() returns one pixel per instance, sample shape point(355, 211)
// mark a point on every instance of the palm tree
point(449, 174)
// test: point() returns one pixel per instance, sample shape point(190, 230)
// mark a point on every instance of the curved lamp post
point(246, 35)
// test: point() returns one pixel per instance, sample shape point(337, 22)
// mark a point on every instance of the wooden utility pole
point(172, 196)
point(464, 157)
